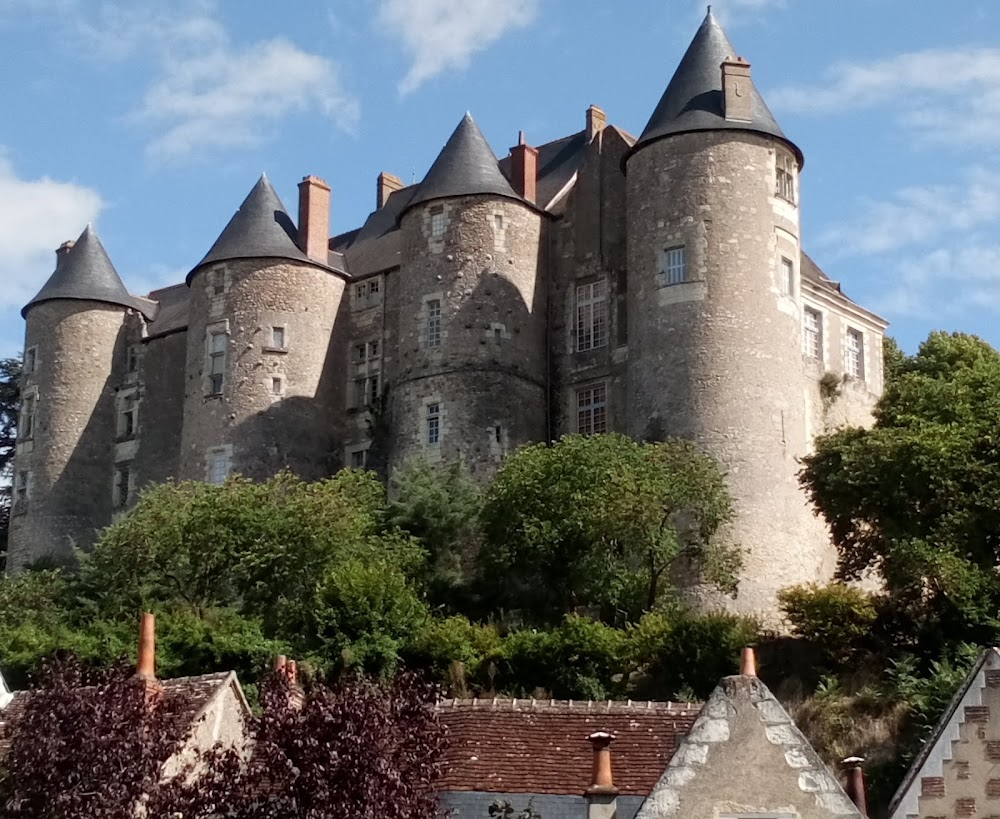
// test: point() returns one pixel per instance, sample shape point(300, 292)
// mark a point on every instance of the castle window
point(30, 360)
point(812, 334)
point(218, 281)
point(498, 221)
point(373, 287)
point(433, 424)
point(278, 338)
point(122, 490)
point(218, 465)
point(359, 458)
point(217, 345)
point(674, 267)
point(29, 405)
point(592, 410)
point(128, 417)
point(360, 290)
point(22, 481)
point(367, 373)
point(854, 354)
point(785, 178)
point(592, 315)
point(787, 277)
point(277, 386)
point(433, 312)
point(437, 222)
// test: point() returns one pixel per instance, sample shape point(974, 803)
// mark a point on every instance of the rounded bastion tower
point(714, 308)
point(258, 397)
point(470, 379)
point(64, 461)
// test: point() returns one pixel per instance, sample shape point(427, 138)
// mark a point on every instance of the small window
point(359, 459)
point(674, 265)
point(433, 311)
point(787, 277)
point(29, 406)
point(498, 221)
point(21, 481)
point(437, 222)
point(373, 287)
point(217, 345)
point(122, 488)
point(30, 361)
point(128, 418)
point(854, 354)
point(785, 179)
point(498, 433)
point(497, 335)
point(812, 334)
point(219, 281)
point(359, 291)
point(367, 373)
point(433, 424)
point(592, 410)
point(218, 466)
point(277, 386)
point(133, 358)
point(278, 338)
point(592, 316)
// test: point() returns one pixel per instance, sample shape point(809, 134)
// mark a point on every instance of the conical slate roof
point(261, 228)
point(465, 166)
point(693, 99)
point(85, 273)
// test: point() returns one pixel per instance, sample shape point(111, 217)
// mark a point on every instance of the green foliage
point(10, 397)
point(503, 809)
point(837, 619)
point(455, 649)
point(598, 521)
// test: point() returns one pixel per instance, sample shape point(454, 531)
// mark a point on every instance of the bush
point(837, 619)
point(456, 651)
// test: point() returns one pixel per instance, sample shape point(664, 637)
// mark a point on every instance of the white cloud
point(918, 215)
point(942, 96)
point(440, 35)
point(36, 216)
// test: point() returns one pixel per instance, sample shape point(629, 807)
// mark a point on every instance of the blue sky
point(154, 118)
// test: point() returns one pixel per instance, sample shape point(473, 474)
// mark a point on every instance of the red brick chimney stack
point(748, 663)
point(386, 185)
point(737, 101)
point(314, 218)
point(597, 120)
point(146, 666)
point(857, 787)
point(524, 169)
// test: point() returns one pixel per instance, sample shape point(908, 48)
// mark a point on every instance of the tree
point(916, 499)
point(10, 398)
point(600, 521)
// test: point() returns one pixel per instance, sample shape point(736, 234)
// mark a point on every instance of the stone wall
point(717, 359)
point(161, 411)
point(68, 460)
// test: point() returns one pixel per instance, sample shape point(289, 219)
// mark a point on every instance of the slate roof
point(260, 229)
point(172, 315)
point(557, 162)
point(465, 166)
point(542, 747)
point(86, 273)
point(693, 99)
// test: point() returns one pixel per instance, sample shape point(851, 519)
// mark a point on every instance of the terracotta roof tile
point(542, 747)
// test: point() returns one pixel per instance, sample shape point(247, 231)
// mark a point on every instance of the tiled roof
point(542, 747)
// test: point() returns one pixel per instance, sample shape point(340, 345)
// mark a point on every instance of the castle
point(652, 286)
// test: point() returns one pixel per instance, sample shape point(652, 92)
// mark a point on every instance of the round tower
point(470, 381)
point(259, 394)
point(64, 461)
point(714, 308)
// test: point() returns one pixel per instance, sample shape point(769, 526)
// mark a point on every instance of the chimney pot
point(280, 662)
point(314, 218)
point(146, 666)
point(596, 122)
point(386, 185)
point(524, 170)
point(857, 787)
point(602, 795)
point(737, 96)
point(748, 663)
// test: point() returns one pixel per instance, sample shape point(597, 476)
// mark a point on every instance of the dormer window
point(785, 177)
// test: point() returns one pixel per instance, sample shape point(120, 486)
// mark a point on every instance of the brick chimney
point(857, 787)
point(737, 100)
point(524, 169)
point(289, 669)
point(63, 251)
point(748, 663)
point(145, 668)
point(386, 185)
point(314, 218)
point(596, 121)
point(602, 795)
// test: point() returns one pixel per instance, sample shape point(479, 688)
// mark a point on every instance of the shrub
point(837, 619)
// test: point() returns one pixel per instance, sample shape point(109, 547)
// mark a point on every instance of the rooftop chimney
point(289, 669)
point(602, 795)
point(63, 251)
point(596, 120)
point(737, 99)
point(145, 668)
point(748, 663)
point(387, 185)
point(524, 169)
point(857, 789)
point(314, 218)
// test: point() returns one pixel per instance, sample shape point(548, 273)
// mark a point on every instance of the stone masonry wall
point(69, 458)
point(161, 411)
point(717, 359)
point(277, 405)
point(487, 272)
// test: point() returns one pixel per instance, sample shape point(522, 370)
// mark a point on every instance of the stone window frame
point(812, 337)
point(351, 454)
point(785, 176)
point(127, 415)
point(28, 409)
point(218, 464)
point(212, 331)
point(432, 332)
point(586, 336)
point(854, 355)
point(30, 364)
point(497, 332)
point(498, 223)
point(366, 371)
point(367, 293)
point(438, 222)
point(787, 278)
point(21, 492)
point(277, 385)
point(673, 267)
point(279, 333)
point(122, 486)
point(218, 281)
point(594, 404)
point(432, 418)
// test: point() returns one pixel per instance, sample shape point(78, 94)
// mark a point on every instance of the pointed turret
point(84, 272)
point(260, 229)
point(466, 166)
point(694, 99)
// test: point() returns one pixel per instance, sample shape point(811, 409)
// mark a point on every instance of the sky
point(153, 119)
